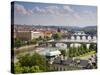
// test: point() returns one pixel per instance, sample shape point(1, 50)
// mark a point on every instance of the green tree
point(18, 68)
point(17, 42)
point(33, 41)
point(92, 46)
point(26, 69)
point(40, 38)
point(63, 52)
point(39, 60)
point(84, 46)
point(57, 36)
point(32, 60)
point(29, 42)
point(48, 38)
point(25, 60)
point(34, 69)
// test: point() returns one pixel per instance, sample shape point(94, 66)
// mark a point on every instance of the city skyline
point(54, 14)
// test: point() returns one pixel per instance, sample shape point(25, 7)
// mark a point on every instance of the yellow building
point(28, 35)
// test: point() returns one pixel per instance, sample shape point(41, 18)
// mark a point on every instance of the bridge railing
point(70, 40)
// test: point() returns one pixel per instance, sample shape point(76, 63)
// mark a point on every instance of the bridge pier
point(71, 43)
point(68, 45)
point(87, 46)
point(53, 44)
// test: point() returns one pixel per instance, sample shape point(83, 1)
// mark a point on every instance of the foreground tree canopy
point(30, 64)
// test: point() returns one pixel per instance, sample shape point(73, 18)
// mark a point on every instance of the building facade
point(28, 35)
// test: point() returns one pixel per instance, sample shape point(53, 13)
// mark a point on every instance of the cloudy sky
point(54, 14)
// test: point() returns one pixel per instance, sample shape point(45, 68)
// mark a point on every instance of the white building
point(51, 55)
point(36, 34)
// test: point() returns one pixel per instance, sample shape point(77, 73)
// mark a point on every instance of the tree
point(30, 63)
point(25, 60)
point(33, 60)
point(92, 46)
point(84, 46)
point(18, 68)
point(34, 69)
point(63, 52)
point(33, 41)
point(26, 69)
point(48, 38)
point(40, 38)
point(17, 42)
point(39, 60)
point(57, 36)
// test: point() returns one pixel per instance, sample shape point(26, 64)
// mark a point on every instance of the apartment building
point(28, 35)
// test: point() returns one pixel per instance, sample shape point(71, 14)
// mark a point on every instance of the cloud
point(55, 10)
point(52, 9)
point(46, 10)
point(88, 14)
point(68, 8)
point(77, 16)
point(38, 10)
point(21, 9)
point(66, 11)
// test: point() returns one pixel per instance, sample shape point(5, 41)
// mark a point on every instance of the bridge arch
point(72, 37)
point(78, 38)
point(89, 37)
point(83, 37)
point(94, 37)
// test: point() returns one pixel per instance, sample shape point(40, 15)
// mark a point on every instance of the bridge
point(73, 41)
point(70, 42)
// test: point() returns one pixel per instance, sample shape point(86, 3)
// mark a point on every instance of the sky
point(26, 13)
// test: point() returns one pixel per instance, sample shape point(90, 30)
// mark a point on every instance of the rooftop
point(70, 61)
point(53, 53)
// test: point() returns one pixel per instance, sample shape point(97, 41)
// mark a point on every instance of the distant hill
point(90, 30)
